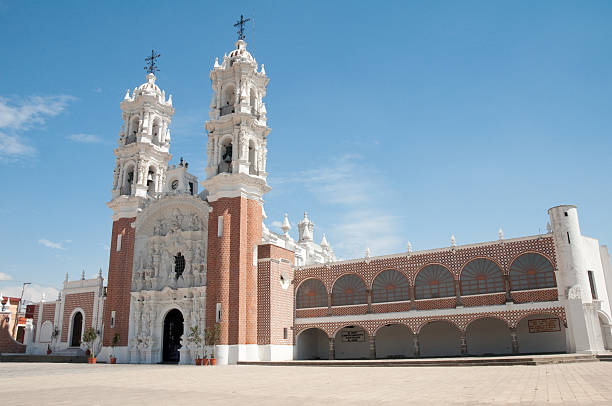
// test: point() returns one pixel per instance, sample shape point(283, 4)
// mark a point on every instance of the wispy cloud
point(17, 117)
point(5, 277)
point(276, 224)
point(33, 292)
point(85, 138)
point(51, 244)
point(360, 197)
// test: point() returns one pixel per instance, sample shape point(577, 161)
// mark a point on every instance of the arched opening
point(481, 276)
point(488, 336)
point(179, 265)
point(311, 293)
point(227, 100)
point(225, 163)
point(77, 329)
point(532, 271)
point(312, 343)
point(252, 158)
point(173, 330)
point(46, 332)
point(434, 281)
point(155, 132)
point(541, 334)
point(151, 186)
point(440, 339)
point(134, 129)
point(128, 181)
point(352, 342)
point(348, 290)
point(390, 286)
point(606, 331)
point(394, 341)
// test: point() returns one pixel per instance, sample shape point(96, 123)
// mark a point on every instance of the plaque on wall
point(543, 325)
point(357, 336)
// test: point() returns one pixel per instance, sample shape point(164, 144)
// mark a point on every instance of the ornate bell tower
point(142, 157)
point(236, 182)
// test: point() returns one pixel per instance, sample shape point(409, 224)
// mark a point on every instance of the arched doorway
point(541, 334)
point(312, 343)
point(173, 330)
point(488, 336)
point(606, 331)
point(394, 341)
point(440, 339)
point(352, 342)
point(77, 329)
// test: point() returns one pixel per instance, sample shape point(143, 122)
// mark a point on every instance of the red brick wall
point(318, 312)
point(35, 319)
point(390, 307)
point(231, 276)
point(82, 300)
point(347, 310)
point(484, 300)
point(119, 282)
point(48, 313)
point(441, 303)
point(7, 343)
point(540, 295)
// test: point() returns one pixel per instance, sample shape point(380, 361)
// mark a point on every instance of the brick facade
point(231, 275)
point(7, 344)
point(84, 301)
point(119, 282)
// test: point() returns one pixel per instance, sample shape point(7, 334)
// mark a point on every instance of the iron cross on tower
point(241, 23)
point(150, 60)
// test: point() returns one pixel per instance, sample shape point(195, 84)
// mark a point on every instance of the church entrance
point(173, 330)
point(77, 329)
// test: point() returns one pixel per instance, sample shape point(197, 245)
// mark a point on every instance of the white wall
point(352, 350)
point(488, 336)
point(396, 341)
point(439, 339)
point(533, 343)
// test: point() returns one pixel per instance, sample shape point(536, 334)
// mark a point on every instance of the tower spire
point(241, 23)
point(151, 66)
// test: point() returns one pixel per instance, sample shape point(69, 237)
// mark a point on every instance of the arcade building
point(185, 253)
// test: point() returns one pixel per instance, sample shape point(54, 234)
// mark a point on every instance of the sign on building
point(353, 336)
point(544, 325)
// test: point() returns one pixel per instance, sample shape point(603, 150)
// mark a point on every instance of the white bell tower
point(142, 155)
point(237, 129)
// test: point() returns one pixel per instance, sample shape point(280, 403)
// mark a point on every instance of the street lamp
point(18, 306)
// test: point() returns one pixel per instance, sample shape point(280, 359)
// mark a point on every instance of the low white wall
point(352, 350)
point(312, 344)
point(488, 337)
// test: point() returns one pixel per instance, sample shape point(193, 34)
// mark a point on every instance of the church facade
point(181, 258)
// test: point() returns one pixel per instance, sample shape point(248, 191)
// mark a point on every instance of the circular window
point(284, 280)
point(175, 184)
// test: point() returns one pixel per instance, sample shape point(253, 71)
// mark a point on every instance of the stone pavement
point(588, 383)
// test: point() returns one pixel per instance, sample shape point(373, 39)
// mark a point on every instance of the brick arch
point(495, 261)
point(300, 331)
point(354, 299)
point(447, 267)
point(327, 329)
point(486, 316)
point(552, 262)
point(497, 290)
point(331, 288)
point(446, 288)
point(310, 278)
point(389, 269)
point(392, 323)
point(343, 325)
point(426, 322)
point(398, 293)
point(537, 313)
point(323, 301)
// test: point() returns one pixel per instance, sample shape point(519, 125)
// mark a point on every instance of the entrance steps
point(429, 362)
point(605, 357)
point(43, 358)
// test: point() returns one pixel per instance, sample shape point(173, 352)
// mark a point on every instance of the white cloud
point(51, 244)
point(355, 188)
point(85, 138)
point(5, 277)
point(33, 292)
point(276, 224)
point(21, 116)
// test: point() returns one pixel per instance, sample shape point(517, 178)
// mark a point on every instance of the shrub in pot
point(89, 338)
point(116, 338)
point(212, 339)
point(194, 337)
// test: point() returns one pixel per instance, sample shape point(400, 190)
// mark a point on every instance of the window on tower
point(179, 264)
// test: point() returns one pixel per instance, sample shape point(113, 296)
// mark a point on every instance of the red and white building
point(180, 258)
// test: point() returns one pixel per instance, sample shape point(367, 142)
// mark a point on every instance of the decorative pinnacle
point(501, 234)
point(150, 60)
point(241, 23)
point(453, 241)
point(409, 247)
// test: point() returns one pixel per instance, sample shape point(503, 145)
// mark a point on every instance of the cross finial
point(150, 60)
point(241, 23)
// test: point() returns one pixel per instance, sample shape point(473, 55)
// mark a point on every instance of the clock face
point(175, 184)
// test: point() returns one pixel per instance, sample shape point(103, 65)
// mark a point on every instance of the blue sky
point(391, 122)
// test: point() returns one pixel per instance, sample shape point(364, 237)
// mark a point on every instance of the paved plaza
point(588, 383)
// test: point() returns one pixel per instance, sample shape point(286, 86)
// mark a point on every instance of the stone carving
point(574, 292)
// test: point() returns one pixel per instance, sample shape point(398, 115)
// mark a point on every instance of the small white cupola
point(305, 229)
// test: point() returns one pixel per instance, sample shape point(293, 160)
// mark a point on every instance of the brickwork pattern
point(430, 304)
point(35, 318)
point(48, 312)
point(484, 300)
point(541, 295)
point(84, 301)
point(231, 277)
point(313, 312)
point(7, 343)
point(461, 321)
point(391, 307)
point(349, 310)
point(119, 282)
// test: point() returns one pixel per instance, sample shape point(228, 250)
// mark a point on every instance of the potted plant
point(116, 338)
point(49, 349)
point(54, 335)
point(212, 339)
point(89, 337)
point(195, 338)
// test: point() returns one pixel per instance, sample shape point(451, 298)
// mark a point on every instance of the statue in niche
point(196, 223)
point(226, 160)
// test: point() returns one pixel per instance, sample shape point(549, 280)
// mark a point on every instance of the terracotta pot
point(213, 361)
point(91, 360)
point(198, 361)
point(48, 352)
point(113, 360)
point(205, 361)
